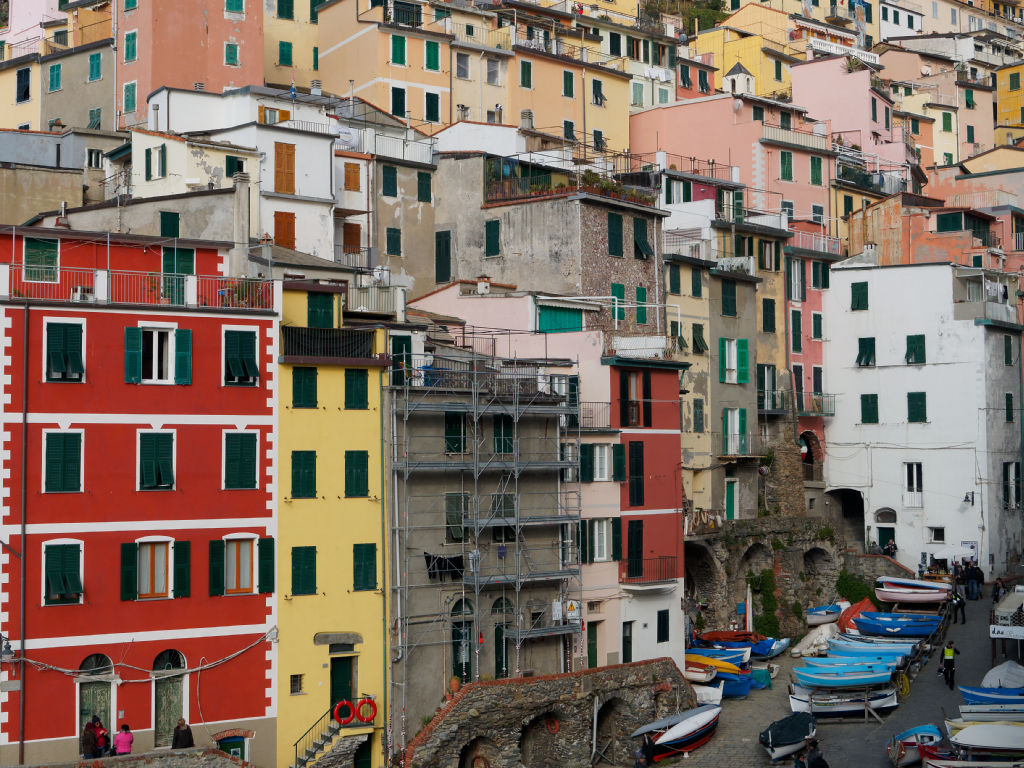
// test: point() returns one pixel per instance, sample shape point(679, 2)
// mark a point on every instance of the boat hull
point(909, 595)
point(688, 734)
point(823, 614)
point(736, 686)
point(840, 677)
point(788, 736)
point(896, 581)
point(719, 664)
point(708, 694)
point(992, 712)
point(838, 704)
point(903, 748)
point(895, 628)
point(699, 673)
point(991, 737)
point(992, 695)
point(732, 655)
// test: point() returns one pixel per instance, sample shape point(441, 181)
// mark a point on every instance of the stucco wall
point(78, 94)
point(24, 191)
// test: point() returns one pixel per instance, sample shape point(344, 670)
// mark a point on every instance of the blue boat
point(732, 655)
point(735, 686)
point(776, 647)
point(852, 638)
point(824, 664)
point(902, 617)
point(894, 628)
point(992, 695)
point(840, 677)
point(848, 648)
point(852, 667)
point(822, 614)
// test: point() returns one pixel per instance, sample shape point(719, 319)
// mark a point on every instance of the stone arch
point(756, 559)
point(478, 753)
point(537, 743)
point(851, 512)
point(885, 516)
point(612, 731)
point(704, 578)
point(817, 561)
point(814, 453)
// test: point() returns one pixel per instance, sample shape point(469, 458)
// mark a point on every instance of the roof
point(737, 69)
point(115, 203)
point(115, 237)
point(287, 257)
point(640, 362)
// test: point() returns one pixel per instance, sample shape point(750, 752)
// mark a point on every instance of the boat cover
point(847, 616)
point(788, 730)
point(1009, 674)
point(667, 722)
point(732, 636)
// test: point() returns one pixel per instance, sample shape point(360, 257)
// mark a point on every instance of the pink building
point(785, 161)
point(695, 77)
point(21, 22)
point(184, 44)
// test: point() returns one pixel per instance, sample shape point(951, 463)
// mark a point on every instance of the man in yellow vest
point(949, 654)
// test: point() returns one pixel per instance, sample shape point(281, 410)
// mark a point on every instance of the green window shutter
point(423, 187)
point(304, 388)
point(147, 462)
point(525, 74)
point(71, 462)
point(217, 567)
point(165, 459)
point(673, 280)
point(797, 330)
point(816, 171)
point(742, 361)
point(54, 462)
point(619, 297)
point(591, 539)
point(915, 350)
point(130, 571)
point(432, 111)
point(917, 407)
point(364, 559)
point(614, 234)
point(970, 134)
point(313, 16)
point(695, 282)
point(398, 50)
point(586, 549)
point(398, 102)
point(869, 409)
point(389, 181)
point(816, 326)
point(95, 66)
point(55, 77)
point(729, 298)
point(492, 232)
point(616, 526)
point(303, 474)
point(316, 56)
point(319, 310)
point(1015, 81)
point(285, 9)
point(778, 70)
point(641, 310)
point(618, 462)
point(170, 224)
point(265, 567)
point(433, 55)
point(131, 46)
point(642, 247)
point(240, 460)
point(721, 360)
point(768, 315)
point(586, 462)
point(454, 433)
point(235, 6)
point(698, 415)
point(132, 355)
point(356, 396)
point(786, 168)
point(1009, 406)
point(284, 54)
point(947, 122)
point(231, 54)
point(357, 474)
point(1007, 350)
point(149, 163)
point(303, 570)
point(567, 84)
point(129, 97)
point(181, 552)
point(394, 241)
point(858, 296)
point(182, 356)
point(442, 257)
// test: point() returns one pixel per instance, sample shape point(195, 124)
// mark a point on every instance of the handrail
point(320, 727)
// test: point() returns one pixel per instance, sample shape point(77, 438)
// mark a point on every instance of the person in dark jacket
point(102, 736)
point(958, 603)
point(89, 741)
point(949, 654)
point(182, 738)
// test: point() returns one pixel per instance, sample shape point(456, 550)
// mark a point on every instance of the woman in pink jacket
point(123, 740)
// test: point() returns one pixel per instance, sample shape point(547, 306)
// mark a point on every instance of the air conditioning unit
point(82, 293)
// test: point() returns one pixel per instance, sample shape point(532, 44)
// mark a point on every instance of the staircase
point(317, 740)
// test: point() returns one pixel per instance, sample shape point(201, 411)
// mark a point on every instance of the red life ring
point(552, 725)
point(373, 710)
point(351, 712)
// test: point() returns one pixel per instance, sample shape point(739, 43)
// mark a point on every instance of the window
point(64, 352)
point(937, 535)
point(698, 415)
point(295, 681)
point(357, 474)
point(614, 234)
point(442, 256)
point(63, 567)
point(364, 558)
point(304, 387)
point(303, 474)
point(352, 177)
point(699, 344)
point(1011, 485)
point(788, 208)
point(695, 283)
point(915, 126)
point(869, 409)
point(389, 181)
point(432, 108)
point(130, 46)
point(398, 50)
point(673, 280)
point(728, 298)
point(567, 83)
point(156, 355)
point(768, 315)
point(858, 296)
point(866, 352)
point(63, 458)
point(152, 570)
point(1009, 406)
point(285, 9)
point(23, 86)
point(240, 449)
point(504, 434)
point(947, 158)
point(728, 360)
point(797, 336)
point(819, 274)
point(636, 473)
point(597, 92)
point(303, 574)
point(493, 71)
point(641, 246)
point(638, 95)
point(885, 13)
point(786, 165)
point(54, 77)
point(398, 102)
point(915, 350)
point(462, 65)
point(131, 5)
point(602, 461)
point(231, 54)
point(817, 214)
point(757, 113)
point(641, 308)
point(816, 326)
point(785, 120)
point(969, 98)
point(569, 130)
point(156, 461)
point(240, 368)
point(816, 172)
point(284, 168)
point(238, 566)
point(703, 84)
point(492, 237)
point(234, 6)
point(456, 509)
point(1007, 349)
point(917, 407)
point(1015, 81)
point(393, 241)
point(598, 538)
point(525, 74)
point(95, 155)
point(663, 622)
point(947, 122)
point(663, 96)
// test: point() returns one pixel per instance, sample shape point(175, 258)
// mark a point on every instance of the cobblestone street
point(851, 745)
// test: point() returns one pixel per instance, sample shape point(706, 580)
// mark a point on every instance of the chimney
point(239, 254)
point(316, 87)
point(198, 86)
point(483, 285)
point(526, 120)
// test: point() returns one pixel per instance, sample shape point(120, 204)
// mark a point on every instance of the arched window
point(462, 608)
point(169, 659)
point(502, 605)
point(885, 516)
point(96, 664)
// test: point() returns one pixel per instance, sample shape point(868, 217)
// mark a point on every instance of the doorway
point(627, 642)
point(591, 645)
point(341, 679)
point(885, 535)
point(500, 652)
point(94, 697)
point(635, 549)
point(730, 499)
point(401, 359)
point(168, 701)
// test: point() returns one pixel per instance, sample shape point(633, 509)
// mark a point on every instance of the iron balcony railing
point(351, 256)
point(595, 415)
point(647, 570)
point(737, 444)
point(1018, 241)
point(326, 342)
point(772, 400)
point(318, 738)
point(815, 404)
point(811, 242)
point(806, 139)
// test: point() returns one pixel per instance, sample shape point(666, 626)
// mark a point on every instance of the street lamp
point(6, 654)
point(969, 498)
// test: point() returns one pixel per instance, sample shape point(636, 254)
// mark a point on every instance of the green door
point(500, 652)
point(462, 667)
point(591, 645)
point(635, 548)
point(885, 535)
point(168, 705)
point(94, 699)
point(177, 263)
point(627, 642)
point(341, 679)
point(401, 359)
point(363, 756)
point(730, 499)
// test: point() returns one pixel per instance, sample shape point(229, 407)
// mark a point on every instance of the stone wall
point(784, 482)
point(870, 567)
point(549, 721)
point(200, 757)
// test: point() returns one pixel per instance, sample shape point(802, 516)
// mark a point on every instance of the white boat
point(910, 595)
point(823, 614)
point(839, 702)
point(708, 694)
point(788, 736)
point(956, 724)
point(903, 747)
point(696, 672)
point(914, 583)
point(991, 736)
point(992, 712)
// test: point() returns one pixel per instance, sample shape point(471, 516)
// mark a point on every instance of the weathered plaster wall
point(25, 191)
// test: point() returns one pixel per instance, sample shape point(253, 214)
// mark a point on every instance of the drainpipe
point(385, 654)
point(21, 560)
point(1020, 395)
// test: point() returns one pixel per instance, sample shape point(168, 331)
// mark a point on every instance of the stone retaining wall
point(200, 757)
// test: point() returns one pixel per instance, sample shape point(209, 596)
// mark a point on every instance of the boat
point(709, 694)
point(974, 695)
point(788, 736)
point(687, 734)
point(991, 737)
point(903, 748)
point(848, 648)
point(721, 666)
point(897, 581)
point(956, 724)
point(841, 677)
point(989, 712)
point(774, 648)
point(847, 616)
point(895, 628)
point(885, 641)
point(923, 617)
point(736, 686)
point(853, 666)
point(841, 661)
point(822, 614)
point(696, 672)
point(838, 703)
point(910, 595)
point(733, 655)
point(731, 636)
point(663, 724)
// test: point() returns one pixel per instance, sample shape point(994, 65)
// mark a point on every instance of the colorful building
point(291, 53)
point(140, 524)
point(1009, 97)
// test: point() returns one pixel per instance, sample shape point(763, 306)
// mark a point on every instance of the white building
point(927, 429)
point(900, 18)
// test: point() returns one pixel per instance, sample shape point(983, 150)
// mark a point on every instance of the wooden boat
point(974, 695)
point(822, 614)
point(661, 725)
point(848, 648)
point(709, 694)
point(922, 617)
point(852, 667)
point(788, 736)
point(688, 734)
point(841, 677)
point(733, 655)
point(992, 712)
point(736, 686)
point(773, 649)
point(897, 581)
point(696, 672)
point(842, 661)
point(903, 748)
point(956, 724)
point(910, 595)
point(838, 703)
point(880, 641)
point(847, 616)
point(731, 636)
point(991, 737)
point(721, 666)
point(895, 628)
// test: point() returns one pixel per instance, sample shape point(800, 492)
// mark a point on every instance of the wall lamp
point(969, 498)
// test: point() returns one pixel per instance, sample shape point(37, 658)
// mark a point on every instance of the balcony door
point(635, 549)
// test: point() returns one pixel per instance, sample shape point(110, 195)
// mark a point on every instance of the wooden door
point(169, 707)
point(351, 237)
point(284, 229)
point(635, 548)
point(591, 645)
point(730, 499)
point(94, 699)
point(500, 652)
point(885, 535)
point(401, 359)
point(341, 679)
point(627, 642)
point(284, 168)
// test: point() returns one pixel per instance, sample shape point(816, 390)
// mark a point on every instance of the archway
point(168, 701)
point(462, 640)
point(705, 583)
point(810, 456)
point(537, 743)
point(612, 734)
point(817, 562)
point(94, 696)
point(757, 558)
point(479, 753)
point(851, 508)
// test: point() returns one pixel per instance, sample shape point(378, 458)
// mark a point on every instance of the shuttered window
point(700, 345)
point(182, 565)
point(525, 74)
point(816, 171)
point(586, 462)
point(618, 462)
point(304, 388)
point(41, 260)
point(504, 434)
point(866, 351)
point(614, 234)
point(663, 624)
point(63, 472)
point(389, 181)
point(398, 102)
point(492, 237)
point(170, 224)
point(64, 352)
point(797, 330)
point(768, 315)
point(442, 256)
point(618, 298)
point(641, 309)
point(696, 288)
point(319, 310)
point(454, 433)
point(641, 245)
point(786, 166)
point(240, 460)
point(917, 407)
point(728, 298)
point(636, 473)
point(432, 108)
point(284, 54)
point(284, 168)
point(423, 194)
point(673, 280)
point(698, 415)
point(456, 507)
point(131, 47)
point(303, 570)
point(351, 177)
point(63, 563)
point(364, 559)
point(303, 474)
point(816, 326)
point(240, 368)
point(1007, 349)
point(1009, 406)
point(156, 461)
point(393, 241)
point(915, 350)
point(398, 50)
point(858, 296)
point(286, 9)
point(356, 395)
point(95, 66)
point(947, 122)
point(357, 474)
point(567, 84)
point(433, 55)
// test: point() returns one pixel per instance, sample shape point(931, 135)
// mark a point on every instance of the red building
point(137, 497)
point(695, 77)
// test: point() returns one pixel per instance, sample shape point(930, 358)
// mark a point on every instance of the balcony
point(643, 347)
point(647, 570)
point(734, 214)
point(105, 287)
point(328, 129)
point(813, 473)
point(595, 415)
point(349, 256)
point(821, 243)
point(840, 13)
point(772, 400)
point(557, 183)
point(375, 299)
point(879, 183)
point(737, 445)
point(838, 49)
point(815, 404)
point(300, 344)
point(371, 142)
point(806, 139)
point(913, 499)
point(480, 34)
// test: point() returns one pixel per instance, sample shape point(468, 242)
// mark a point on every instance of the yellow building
point(290, 43)
point(332, 602)
point(21, 93)
point(1010, 96)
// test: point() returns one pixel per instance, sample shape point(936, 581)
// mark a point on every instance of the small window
point(231, 54)
point(869, 409)
point(95, 156)
point(786, 166)
point(54, 77)
point(357, 474)
point(936, 535)
point(95, 66)
point(454, 433)
point(63, 459)
point(238, 566)
point(493, 71)
point(602, 461)
point(398, 50)
point(303, 475)
point(295, 684)
point(865, 352)
point(729, 298)
point(152, 568)
point(304, 387)
point(356, 391)
point(393, 241)
point(131, 46)
point(304, 571)
point(917, 407)
point(915, 350)
point(568, 82)
point(157, 356)
point(156, 461)
point(63, 568)
point(364, 559)
point(284, 54)
point(23, 85)
point(663, 626)
point(525, 74)
point(858, 296)
point(456, 508)
point(41, 259)
point(64, 358)
point(129, 98)
point(389, 181)
point(240, 367)
point(462, 66)
point(423, 191)
point(492, 237)
point(1007, 349)
point(234, 6)
point(1009, 406)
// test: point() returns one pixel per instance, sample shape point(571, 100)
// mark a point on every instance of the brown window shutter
point(352, 177)
point(284, 168)
point(283, 114)
point(284, 229)
point(262, 114)
point(351, 235)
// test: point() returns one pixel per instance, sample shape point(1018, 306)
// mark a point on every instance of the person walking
point(814, 757)
point(102, 736)
point(960, 578)
point(998, 591)
point(949, 654)
point(974, 581)
point(959, 602)
point(88, 741)
point(182, 738)
point(123, 740)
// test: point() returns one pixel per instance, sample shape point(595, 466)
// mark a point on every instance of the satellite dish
point(737, 105)
point(347, 137)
